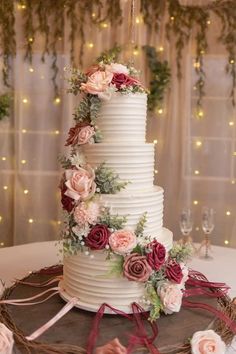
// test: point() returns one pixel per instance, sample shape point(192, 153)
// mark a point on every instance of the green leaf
point(108, 181)
point(116, 266)
point(139, 230)
point(156, 304)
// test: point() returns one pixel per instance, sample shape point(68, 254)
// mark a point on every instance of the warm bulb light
point(197, 228)
point(200, 114)
point(104, 25)
point(195, 202)
point(156, 172)
point(155, 141)
point(30, 39)
point(56, 132)
point(57, 100)
point(160, 111)
point(58, 222)
point(196, 65)
point(30, 221)
point(31, 70)
point(231, 123)
point(233, 181)
point(226, 242)
point(0, 218)
point(135, 52)
point(26, 191)
point(25, 100)
point(196, 172)
point(93, 14)
point(198, 143)
point(161, 49)
point(23, 162)
point(208, 22)
point(172, 18)
point(232, 61)
point(234, 153)
point(228, 213)
point(42, 77)
point(23, 131)
point(4, 158)
point(90, 45)
point(137, 20)
point(5, 188)
point(2, 244)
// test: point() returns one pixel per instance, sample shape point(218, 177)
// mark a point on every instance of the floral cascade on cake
point(115, 247)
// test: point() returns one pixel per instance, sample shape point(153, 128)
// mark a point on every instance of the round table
point(18, 261)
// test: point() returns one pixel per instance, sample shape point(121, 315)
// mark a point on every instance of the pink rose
point(174, 272)
point(92, 69)
point(136, 268)
point(122, 79)
point(80, 183)
point(122, 241)
point(97, 238)
point(171, 297)
point(80, 134)
point(6, 340)
point(86, 213)
point(97, 83)
point(156, 257)
point(207, 342)
point(112, 347)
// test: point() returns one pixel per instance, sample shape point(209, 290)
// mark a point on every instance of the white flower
point(78, 159)
point(171, 297)
point(117, 68)
point(81, 231)
point(207, 342)
point(6, 340)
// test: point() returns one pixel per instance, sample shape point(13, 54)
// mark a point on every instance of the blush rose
point(171, 297)
point(136, 268)
point(122, 241)
point(112, 347)
point(80, 134)
point(156, 257)
point(207, 342)
point(174, 272)
point(97, 83)
point(6, 340)
point(117, 68)
point(80, 183)
point(97, 238)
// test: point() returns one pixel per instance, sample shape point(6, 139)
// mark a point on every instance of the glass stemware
point(207, 227)
point(186, 225)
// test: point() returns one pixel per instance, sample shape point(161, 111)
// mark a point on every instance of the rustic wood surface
point(75, 326)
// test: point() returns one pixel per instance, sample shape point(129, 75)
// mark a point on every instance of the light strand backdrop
point(195, 150)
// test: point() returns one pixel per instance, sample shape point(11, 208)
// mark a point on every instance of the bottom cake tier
point(90, 279)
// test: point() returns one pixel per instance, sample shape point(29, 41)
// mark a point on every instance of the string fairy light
point(136, 52)
point(226, 242)
point(104, 25)
point(160, 111)
point(25, 100)
point(155, 141)
point(30, 39)
point(23, 131)
point(156, 172)
point(26, 191)
point(231, 123)
point(57, 100)
point(90, 45)
point(196, 172)
point(30, 221)
point(198, 143)
point(161, 49)
point(5, 188)
point(31, 70)
point(197, 228)
point(195, 202)
point(23, 162)
point(228, 213)
point(4, 158)
point(2, 244)
point(0, 218)
point(56, 132)
point(196, 65)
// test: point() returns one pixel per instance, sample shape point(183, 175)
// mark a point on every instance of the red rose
point(123, 79)
point(136, 268)
point(157, 255)
point(174, 272)
point(97, 238)
point(67, 202)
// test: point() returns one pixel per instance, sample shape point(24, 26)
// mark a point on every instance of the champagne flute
point(186, 225)
point(207, 227)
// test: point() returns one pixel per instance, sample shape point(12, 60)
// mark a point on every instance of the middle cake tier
point(132, 162)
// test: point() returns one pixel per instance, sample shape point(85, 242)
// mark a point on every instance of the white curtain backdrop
point(195, 158)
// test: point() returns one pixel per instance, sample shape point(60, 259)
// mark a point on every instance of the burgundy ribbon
point(55, 269)
point(139, 338)
point(201, 286)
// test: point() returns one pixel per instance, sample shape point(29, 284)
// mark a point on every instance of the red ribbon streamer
point(139, 338)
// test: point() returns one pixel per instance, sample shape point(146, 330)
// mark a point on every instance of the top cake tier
point(123, 118)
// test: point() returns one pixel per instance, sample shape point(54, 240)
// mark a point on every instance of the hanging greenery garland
point(46, 19)
point(5, 105)
point(160, 78)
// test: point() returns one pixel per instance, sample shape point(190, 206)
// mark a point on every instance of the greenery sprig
point(107, 181)
point(115, 222)
point(5, 105)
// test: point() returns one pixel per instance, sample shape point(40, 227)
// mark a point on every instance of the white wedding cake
point(90, 273)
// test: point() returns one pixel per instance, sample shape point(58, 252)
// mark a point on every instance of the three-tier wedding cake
point(115, 246)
